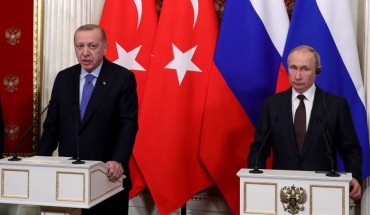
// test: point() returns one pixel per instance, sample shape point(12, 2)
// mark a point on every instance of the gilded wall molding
point(37, 67)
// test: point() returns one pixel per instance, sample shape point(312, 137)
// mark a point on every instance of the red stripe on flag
point(226, 135)
point(283, 79)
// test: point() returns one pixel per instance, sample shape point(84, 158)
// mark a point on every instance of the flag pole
point(183, 209)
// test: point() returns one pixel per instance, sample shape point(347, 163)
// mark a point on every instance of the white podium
point(55, 182)
point(293, 192)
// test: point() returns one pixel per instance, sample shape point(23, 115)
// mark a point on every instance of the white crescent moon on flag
point(195, 5)
point(139, 8)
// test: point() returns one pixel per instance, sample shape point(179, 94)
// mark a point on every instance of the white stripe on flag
point(341, 28)
point(275, 18)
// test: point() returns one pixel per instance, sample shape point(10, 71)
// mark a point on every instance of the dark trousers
point(117, 203)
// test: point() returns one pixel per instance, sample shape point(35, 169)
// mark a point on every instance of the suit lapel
point(102, 85)
point(74, 92)
point(314, 126)
point(287, 106)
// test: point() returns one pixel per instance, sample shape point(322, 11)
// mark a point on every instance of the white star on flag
point(127, 59)
point(182, 62)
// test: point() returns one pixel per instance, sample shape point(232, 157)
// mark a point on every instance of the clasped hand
point(115, 170)
point(355, 192)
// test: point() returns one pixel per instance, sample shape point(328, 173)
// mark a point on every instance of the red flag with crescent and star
point(167, 147)
point(130, 26)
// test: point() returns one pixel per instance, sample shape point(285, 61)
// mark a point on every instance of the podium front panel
point(70, 186)
point(56, 182)
point(320, 195)
point(279, 192)
point(15, 183)
point(266, 200)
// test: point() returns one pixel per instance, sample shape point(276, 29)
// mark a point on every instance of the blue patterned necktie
point(86, 93)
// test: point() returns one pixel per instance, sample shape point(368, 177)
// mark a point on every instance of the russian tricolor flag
point(247, 64)
point(249, 50)
point(327, 26)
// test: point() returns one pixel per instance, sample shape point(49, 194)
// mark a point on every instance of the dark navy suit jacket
point(330, 113)
point(110, 124)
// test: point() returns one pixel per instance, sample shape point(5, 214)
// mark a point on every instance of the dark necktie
point(86, 93)
point(300, 123)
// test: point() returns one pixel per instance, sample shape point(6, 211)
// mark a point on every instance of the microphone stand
point(256, 170)
point(332, 172)
point(15, 156)
point(78, 160)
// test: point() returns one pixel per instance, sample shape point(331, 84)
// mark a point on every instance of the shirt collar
point(95, 72)
point(309, 94)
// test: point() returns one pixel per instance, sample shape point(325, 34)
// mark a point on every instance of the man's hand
point(355, 190)
point(115, 170)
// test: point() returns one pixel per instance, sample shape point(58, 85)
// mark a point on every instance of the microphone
point(78, 160)
point(256, 170)
point(15, 156)
point(328, 143)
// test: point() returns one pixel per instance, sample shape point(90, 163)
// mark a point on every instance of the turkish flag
point(130, 26)
point(167, 147)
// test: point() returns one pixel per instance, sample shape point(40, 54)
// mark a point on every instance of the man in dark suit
point(106, 130)
point(325, 116)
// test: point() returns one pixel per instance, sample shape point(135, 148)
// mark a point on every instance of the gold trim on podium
point(260, 212)
point(3, 194)
point(59, 198)
point(342, 188)
point(99, 170)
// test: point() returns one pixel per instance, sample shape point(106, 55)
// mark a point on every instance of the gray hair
point(89, 27)
point(316, 55)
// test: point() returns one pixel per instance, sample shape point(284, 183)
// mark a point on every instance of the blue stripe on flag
point(246, 56)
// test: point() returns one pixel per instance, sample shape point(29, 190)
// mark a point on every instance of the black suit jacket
point(329, 112)
point(109, 127)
